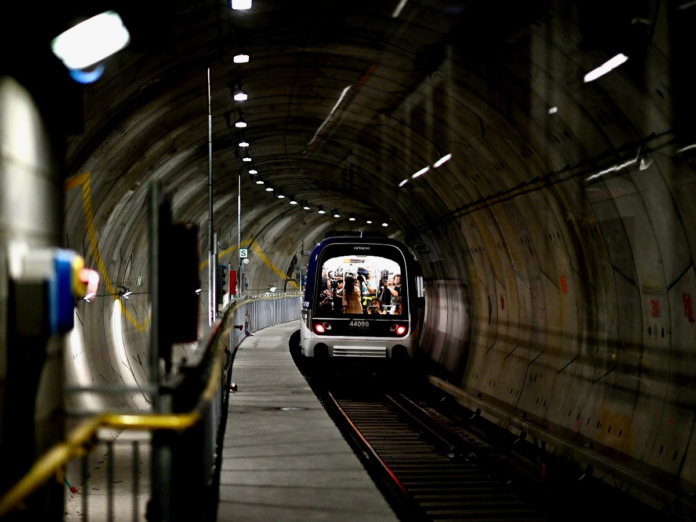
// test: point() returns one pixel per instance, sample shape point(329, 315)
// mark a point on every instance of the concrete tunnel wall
point(549, 292)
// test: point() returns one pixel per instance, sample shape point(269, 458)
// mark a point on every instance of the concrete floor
point(284, 458)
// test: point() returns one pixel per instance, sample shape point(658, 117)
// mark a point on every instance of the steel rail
point(375, 458)
point(654, 488)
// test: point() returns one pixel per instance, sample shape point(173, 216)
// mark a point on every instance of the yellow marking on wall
point(75, 181)
point(273, 267)
point(85, 181)
point(224, 253)
point(262, 256)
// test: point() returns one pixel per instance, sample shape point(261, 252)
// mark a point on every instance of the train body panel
point(361, 300)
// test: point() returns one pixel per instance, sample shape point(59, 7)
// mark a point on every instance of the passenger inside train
point(360, 285)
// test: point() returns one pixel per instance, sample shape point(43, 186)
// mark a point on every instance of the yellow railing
point(79, 440)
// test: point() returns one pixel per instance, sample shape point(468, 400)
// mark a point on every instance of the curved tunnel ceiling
point(557, 243)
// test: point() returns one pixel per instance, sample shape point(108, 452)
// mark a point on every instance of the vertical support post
point(211, 241)
point(136, 479)
point(110, 481)
point(240, 281)
point(215, 273)
point(161, 457)
point(85, 487)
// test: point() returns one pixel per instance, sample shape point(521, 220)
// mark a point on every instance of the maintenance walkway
point(284, 458)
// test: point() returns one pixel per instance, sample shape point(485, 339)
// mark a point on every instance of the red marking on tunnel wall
point(502, 302)
point(564, 285)
point(688, 307)
point(655, 308)
point(671, 421)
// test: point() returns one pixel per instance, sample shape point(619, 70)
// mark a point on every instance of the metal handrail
point(78, 440)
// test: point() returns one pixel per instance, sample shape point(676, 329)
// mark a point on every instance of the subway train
point(363, 300)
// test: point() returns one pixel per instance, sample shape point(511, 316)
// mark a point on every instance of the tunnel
point(551, 213)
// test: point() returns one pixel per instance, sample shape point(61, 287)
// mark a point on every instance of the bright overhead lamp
point(420, 172)
point(259, 181)
point(198, 291)
point(403, 182)
point(247, 159)
point(281, 195)
point(240, 95)
point(242, 56)
point(351, 218)
point(306, 206)
point(336, 214)
point(243, 143)
point(321, 210)
point(606, 67)
point(241, 5)
point(252, 170)
point(241, 122)
point(272, 289)
point(127, 294)
point(91, 41)
point(385, 224)
point(369, 221)
point(89, 296)
point(269, 189)
point(293, 201)
point(442, 160)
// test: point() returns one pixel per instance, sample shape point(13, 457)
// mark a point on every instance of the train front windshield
point(357, 285)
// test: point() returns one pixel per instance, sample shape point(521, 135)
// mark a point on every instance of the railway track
point(431, 470)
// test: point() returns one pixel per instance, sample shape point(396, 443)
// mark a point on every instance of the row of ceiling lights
point(240, 95)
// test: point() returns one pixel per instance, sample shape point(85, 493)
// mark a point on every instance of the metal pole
point(215, 274)
point(239, 235)
point(211, 239)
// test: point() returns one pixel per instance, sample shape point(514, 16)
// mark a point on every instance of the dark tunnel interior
point(557, 241)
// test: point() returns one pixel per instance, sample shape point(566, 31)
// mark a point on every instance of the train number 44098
point(354, 323)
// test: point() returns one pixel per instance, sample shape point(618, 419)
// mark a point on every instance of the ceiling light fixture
point(351, 218)
point(403, 182)
point(241, 122)
point(606, 67)
point(385, 224)
point(239, 94)
point(306, 206)
point(336, 214)
point(260, 181)
point(420, 172)
point(252, 170)
point(442, 161)
point(369, 221)
point(269, 189)
point(243, 143)
point(293, 201)
point(247, 159)
point(91, 41)
point(281, 195)
point(242, 56)
point(321, 210)
point(241, 5)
